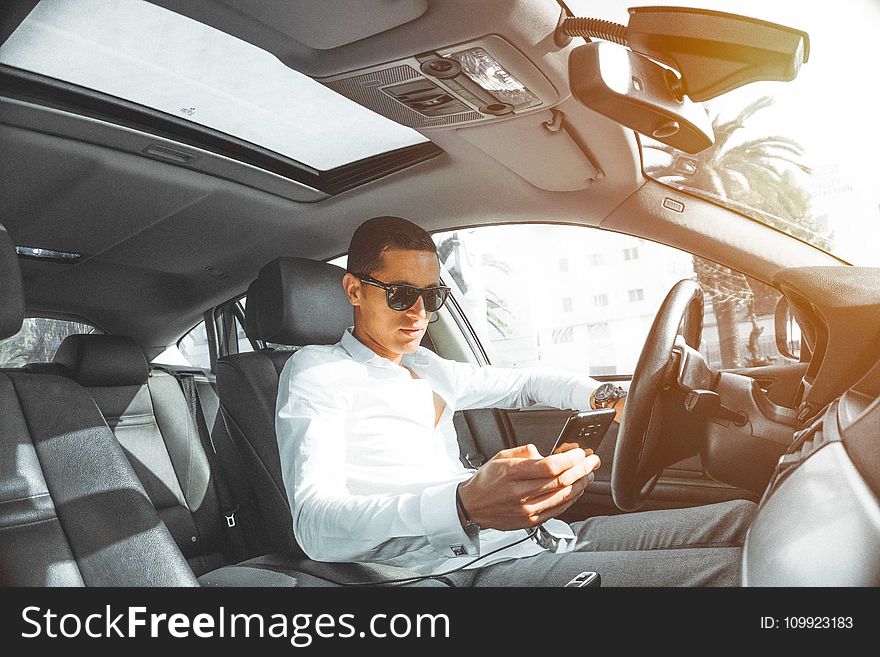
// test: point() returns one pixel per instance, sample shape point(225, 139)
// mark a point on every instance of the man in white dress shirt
point(370, 457)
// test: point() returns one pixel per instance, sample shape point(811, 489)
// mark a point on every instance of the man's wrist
point(459, 506)
point(470, 527)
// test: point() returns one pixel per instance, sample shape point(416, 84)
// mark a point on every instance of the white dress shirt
point(368, 475)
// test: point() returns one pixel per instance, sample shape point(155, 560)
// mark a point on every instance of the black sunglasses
point(401, 296)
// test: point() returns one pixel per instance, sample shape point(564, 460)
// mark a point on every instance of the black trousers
point(697, 546)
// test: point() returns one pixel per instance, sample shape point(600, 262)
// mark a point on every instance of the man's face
point(392, 333)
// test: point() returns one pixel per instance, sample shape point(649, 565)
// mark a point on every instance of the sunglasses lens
point(401, 298)
point(434, 299)
point(404, 297)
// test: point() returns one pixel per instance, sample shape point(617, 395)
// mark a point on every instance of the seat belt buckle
point(230, 517)
point(585, 579)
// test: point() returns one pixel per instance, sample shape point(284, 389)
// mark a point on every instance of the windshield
point(163, 60)
point(795, 155)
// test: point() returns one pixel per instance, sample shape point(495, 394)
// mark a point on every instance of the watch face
point(603, 392)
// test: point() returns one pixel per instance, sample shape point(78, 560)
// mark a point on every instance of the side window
point(194, 347)
point(191, 350)
point(244, 344)
point(38, 340)
point(583, 299)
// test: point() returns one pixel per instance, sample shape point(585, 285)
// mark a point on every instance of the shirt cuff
point(580, 400)
point(442, 526)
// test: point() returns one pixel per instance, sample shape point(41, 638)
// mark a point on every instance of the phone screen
point(586, 428)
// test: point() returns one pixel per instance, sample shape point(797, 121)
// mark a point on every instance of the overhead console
point(492, 94)
point(467, 83)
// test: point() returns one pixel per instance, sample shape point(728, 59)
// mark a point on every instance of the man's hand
point(518, 488)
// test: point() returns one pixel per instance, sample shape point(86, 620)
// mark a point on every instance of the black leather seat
point(149, 416)
point(294, 302)
point(72, 510)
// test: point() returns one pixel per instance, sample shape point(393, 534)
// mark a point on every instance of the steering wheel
point(641, 453)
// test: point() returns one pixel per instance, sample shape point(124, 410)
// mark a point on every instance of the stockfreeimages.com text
point(299, 629)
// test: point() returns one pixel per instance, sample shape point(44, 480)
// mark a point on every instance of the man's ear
point(352, 287)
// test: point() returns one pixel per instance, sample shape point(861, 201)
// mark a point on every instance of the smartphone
point(586, 428)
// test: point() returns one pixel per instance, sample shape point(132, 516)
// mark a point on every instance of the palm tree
point(756, 174)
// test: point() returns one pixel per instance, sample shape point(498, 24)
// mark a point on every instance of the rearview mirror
point(638, 93)
point(714, 52)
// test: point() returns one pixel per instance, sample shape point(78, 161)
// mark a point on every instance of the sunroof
point(154, 57)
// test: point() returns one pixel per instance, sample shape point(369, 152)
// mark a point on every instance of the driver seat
point(292, 303)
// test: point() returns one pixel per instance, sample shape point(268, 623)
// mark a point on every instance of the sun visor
point(332, 23)
point(538, 148)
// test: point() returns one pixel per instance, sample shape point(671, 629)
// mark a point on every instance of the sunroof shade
point(148, 55)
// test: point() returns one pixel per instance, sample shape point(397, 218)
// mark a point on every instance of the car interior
point(143, 205)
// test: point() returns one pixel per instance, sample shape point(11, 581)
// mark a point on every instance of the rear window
point(38, 340)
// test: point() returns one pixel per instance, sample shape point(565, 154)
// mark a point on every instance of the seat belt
point(229, 507)
point(230, 459)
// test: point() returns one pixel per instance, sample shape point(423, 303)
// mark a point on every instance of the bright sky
point(830, 108)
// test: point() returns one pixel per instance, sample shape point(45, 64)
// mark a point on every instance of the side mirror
point(638, 93)
point(788, 331)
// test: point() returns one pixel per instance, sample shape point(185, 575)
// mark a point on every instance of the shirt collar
point(361, 353)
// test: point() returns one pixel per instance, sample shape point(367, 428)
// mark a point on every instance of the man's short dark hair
point(377, 235)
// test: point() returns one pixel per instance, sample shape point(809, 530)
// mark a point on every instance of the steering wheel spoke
point(654, 397)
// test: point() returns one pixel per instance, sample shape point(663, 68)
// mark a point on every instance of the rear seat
point(72, 511)
point(149, 416)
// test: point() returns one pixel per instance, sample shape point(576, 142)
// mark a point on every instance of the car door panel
point(683, 484)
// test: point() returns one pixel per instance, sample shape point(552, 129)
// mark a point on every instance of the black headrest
point(103, 361)
point(300, 302)
point(11, 289)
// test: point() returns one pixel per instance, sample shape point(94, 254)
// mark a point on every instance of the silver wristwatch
point(607, 395)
